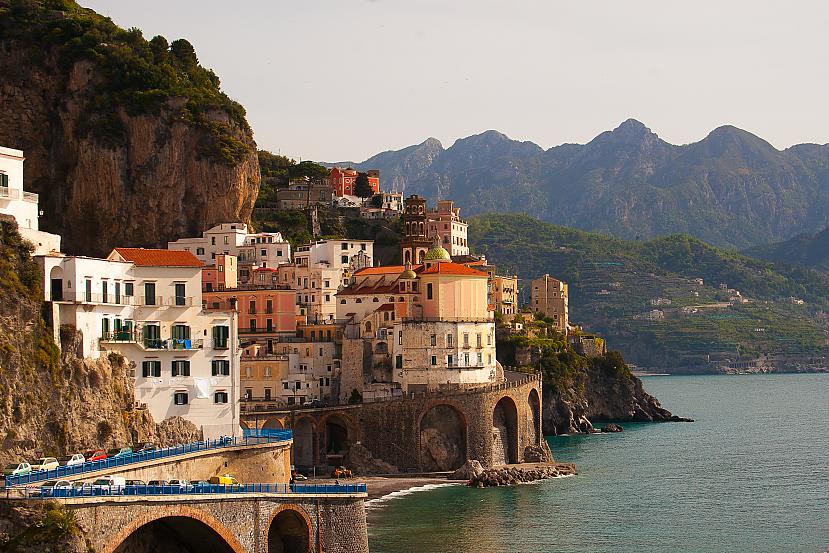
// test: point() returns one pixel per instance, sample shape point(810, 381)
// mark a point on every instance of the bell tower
point(415, 243)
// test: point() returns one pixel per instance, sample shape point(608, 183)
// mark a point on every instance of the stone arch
point(288, 530)
point(534, 435)
point(337, 432)
point(273, 424)
point(442, 437)
point(305, 431)
point(55, 285)
point(505, 432)
point(208, 533)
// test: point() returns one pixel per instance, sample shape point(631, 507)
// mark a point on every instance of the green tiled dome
point(438, 253)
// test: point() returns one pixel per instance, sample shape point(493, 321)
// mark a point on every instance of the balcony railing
point(184, 344)
point(119, 336)
point(83, 297)
point(9, 193)
point(29, 197)
point(221, 343)
point(180, 301)
point(149, 301)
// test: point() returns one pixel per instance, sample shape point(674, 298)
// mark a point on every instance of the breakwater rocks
point(509, 475)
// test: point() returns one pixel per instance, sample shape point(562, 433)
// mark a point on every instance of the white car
point(72, 460)
point(109, 485)
point(182, 485)
point(45, 463)
point(56, 488)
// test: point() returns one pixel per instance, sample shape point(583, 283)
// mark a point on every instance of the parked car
point(82, 488)
point(316, 403)
point(17, 469)
point(45, 463)
point(182, 485)
point(56, 488)
point(135, 483)
point(109, 485)
point(72, 460)
point(95, 455)
point(226, 480)
point(298, 476)
point(145, 448)
point(118, 452)
point(200, 485)
point(157, 483)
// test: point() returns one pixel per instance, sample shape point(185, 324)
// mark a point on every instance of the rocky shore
point(508, 475)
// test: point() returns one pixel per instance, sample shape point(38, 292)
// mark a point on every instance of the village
point(233, 323)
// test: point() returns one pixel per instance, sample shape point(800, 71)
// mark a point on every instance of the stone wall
point(333, 524)
point(401, 432)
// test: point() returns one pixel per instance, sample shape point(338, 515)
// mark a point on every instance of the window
point(489, 339)
point(449, 340)
point(225, 240)
point(429, 291)
point(212, 240)
point(220, 336)
point(149, 293)
point(344, 259)
point(118, 292)
point(450, 360)
point(433, 340)
point(326, 284)
point(480, 340)
point(264, 253)
point(267, 393)
point(400, 338)
point(221, 397)
point(434, 360)
point(466, 359)
point(220, 367)
point(104, 292)
point(269, 306)
point(465, 340)
point(179, 333)
point(151, 369)
point(104, 328)
point(267, 372)
point(480, 359)
point(284, 385)
point(322, 382)
point(129, 288)
point(179, 292)
point(181, 368)
point(248, 393)
point(398, 362)
point(248, 372)
point(180, 398)
point(199, 251)
point(269, 325)
point(344, 246)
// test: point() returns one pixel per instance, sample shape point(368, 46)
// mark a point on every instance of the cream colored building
point(146, 304)
point(505, 294)
point(445, 222)
point(22, 205)
point(549, 296)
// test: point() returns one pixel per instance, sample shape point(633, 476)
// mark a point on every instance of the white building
point(147, 305)
point(345, 255)
point(262, 249)
point(22, 205)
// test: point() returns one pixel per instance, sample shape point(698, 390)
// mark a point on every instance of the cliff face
point(597, 393)
point(109, 171)
point(52, 405)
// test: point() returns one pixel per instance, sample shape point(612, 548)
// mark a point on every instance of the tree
point(361, 186)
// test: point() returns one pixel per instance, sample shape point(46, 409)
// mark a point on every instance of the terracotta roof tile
point(449, 268)
point(383, 270)
point(144, 257)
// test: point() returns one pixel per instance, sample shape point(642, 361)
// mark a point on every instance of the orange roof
point(383, 270)
point(144, 257)
point(449, 268)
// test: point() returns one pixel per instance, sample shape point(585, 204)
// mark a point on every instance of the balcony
point(29, 197)
point(95, 298)
point(149, 301)
point(180, 301)
point(179, 344)
point(221, 343)
point(7, 193)
point(119, 336)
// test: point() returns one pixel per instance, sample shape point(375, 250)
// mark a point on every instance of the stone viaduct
point(437, 431)
point(230, 523)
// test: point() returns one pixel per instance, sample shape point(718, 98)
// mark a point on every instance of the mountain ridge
point(732, 188)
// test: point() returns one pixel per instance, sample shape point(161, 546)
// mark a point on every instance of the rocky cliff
point(128, 142)
point(52, 405)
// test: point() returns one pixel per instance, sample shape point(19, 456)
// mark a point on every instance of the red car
point(95, 455)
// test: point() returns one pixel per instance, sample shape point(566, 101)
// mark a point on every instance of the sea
point(751, 474)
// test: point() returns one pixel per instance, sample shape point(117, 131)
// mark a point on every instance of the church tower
point(415, 243)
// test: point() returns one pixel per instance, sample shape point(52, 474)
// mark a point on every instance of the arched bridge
point(230, 523)
point(438, 431)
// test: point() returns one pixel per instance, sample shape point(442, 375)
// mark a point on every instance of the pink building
point(221, 275)
point(445, 221)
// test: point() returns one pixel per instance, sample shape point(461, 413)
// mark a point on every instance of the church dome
point(408, 274)
point(438, 253)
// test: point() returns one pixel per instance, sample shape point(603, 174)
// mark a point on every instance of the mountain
point(670, 303)
point(731, 189)
point(811, 250)
point(127, 141)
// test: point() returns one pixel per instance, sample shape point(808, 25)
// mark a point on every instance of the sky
point(336, 80)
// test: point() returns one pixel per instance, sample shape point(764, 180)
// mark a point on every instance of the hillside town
point(235, 321)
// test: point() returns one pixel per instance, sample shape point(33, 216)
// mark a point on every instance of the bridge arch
point(443, 430)
point(288, 530)
point(305, 438)
point(193, 529)
point(505, 432)
point(336, 433)
point(273, 423)
point(534, 419)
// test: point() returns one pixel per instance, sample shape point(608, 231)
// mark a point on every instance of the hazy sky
point(342, 80)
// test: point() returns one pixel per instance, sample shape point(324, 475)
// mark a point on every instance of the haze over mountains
point(731, 189)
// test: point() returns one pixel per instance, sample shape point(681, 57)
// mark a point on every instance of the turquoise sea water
point(750, 475)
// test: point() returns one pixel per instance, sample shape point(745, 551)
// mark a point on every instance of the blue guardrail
point(249, 437)
point(197, 489)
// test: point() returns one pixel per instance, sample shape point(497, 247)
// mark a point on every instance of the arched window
point(342, 302)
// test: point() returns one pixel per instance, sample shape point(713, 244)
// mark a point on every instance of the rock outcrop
point(362, 462)
point(36, 526)
point(110, 170)
point(511, 475)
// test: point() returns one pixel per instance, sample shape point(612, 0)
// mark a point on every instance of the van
point(109, 485)
point(226, 480)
